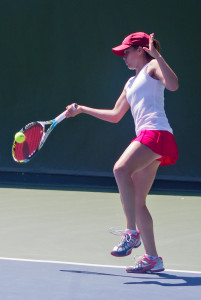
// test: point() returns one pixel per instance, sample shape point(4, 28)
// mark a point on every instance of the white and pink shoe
point(147, 265)
point(127, 243)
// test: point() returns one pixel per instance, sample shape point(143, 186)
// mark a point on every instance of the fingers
point(152, 35)
point(71, 106)
point(146, 49)
point(71, 110)
point(151, 39)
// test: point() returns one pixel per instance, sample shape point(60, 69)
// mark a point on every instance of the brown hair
point(156, 45)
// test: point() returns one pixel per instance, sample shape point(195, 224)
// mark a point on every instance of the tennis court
point(58, 280)
point(56, 211)
point(58, 240)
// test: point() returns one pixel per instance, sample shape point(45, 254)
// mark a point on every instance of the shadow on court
point(187, 281)
point(25, 279)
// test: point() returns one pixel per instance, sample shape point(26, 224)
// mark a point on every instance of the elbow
point(116, 119)
point(173, 86)
point(173, 89)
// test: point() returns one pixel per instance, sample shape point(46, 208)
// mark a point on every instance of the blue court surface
point(40, 280)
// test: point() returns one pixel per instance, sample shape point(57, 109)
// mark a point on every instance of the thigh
point(136, 157)
point(143, 180)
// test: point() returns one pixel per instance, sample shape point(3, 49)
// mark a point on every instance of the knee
point(120, 171)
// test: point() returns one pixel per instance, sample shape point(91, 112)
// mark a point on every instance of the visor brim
point(119, 50)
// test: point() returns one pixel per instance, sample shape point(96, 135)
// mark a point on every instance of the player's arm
point(161, 69)
point(163, 72)
point(110, 115)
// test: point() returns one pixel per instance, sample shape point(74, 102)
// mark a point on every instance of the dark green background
point(53, 53)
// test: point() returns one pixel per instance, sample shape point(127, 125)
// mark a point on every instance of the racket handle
point(62, 116)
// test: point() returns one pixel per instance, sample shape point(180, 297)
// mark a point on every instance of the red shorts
point(161, 142)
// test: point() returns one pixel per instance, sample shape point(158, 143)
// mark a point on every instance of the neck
point(140, 66)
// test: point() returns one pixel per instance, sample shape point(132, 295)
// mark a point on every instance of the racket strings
point(33, 137)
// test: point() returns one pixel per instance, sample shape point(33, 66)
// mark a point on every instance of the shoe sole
point(116, 254)
point(146, 272)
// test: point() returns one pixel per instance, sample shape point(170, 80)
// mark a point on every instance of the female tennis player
point(154, 145)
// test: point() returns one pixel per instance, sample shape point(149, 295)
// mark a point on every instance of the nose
point(125, 55)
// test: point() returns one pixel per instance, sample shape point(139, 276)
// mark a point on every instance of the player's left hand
point(152, 50)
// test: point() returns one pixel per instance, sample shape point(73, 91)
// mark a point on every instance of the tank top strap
point(144, 68)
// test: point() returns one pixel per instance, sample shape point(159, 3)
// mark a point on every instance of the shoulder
point(152, 66)
point(153, 69)
point(131, 79)
point(153, 63)
point(129, 82)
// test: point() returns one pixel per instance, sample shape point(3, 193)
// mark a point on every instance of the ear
point(140, 50)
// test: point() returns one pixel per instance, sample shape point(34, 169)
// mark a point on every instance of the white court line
point(84, 264)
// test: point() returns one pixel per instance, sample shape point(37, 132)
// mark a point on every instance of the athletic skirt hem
point(161, 142)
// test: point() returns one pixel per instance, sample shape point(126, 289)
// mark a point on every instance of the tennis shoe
point(126, 244)
point(146, 265)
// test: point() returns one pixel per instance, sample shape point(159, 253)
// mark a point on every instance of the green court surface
point(72, 226)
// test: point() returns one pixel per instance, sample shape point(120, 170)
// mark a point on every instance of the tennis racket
point(36, 133)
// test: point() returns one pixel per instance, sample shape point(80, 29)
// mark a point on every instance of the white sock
point(151, 257)
point(132, 231)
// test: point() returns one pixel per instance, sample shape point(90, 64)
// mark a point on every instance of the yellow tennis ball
point(19, 137)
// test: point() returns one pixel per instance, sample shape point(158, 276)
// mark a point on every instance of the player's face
point(131, 58)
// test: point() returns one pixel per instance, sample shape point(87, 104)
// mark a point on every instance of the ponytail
point(157, 46)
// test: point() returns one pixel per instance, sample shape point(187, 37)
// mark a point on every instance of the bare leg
point(135, 158)
point(142, 182)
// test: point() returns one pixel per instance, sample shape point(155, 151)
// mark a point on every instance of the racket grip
point(62, 116)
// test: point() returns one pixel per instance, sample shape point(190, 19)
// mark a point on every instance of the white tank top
point(146, 98)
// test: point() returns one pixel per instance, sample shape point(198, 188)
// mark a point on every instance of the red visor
point(134, 39)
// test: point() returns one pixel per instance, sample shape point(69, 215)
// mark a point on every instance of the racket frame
point(45, 134)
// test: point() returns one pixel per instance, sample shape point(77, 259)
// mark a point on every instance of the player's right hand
point(72, 110)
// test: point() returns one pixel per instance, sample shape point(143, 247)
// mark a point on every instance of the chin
point(131, 68)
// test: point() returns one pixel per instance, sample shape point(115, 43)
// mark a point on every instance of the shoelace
point(137, 259)
point(126, 237)
point(140, 261)
point(118, 232)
